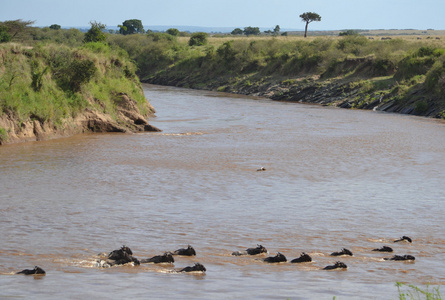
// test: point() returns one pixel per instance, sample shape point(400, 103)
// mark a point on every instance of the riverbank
point(395, 75)
point(52, 91)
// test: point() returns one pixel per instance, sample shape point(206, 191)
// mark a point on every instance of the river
point(334, 179)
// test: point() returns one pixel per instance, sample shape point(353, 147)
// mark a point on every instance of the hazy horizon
point(343, 14)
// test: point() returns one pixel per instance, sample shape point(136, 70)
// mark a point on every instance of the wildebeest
point(196, 268)
point(36, 271)
point(275, 259)
point(404, 239)
point(251, 251)
point(167, 257)
point(189, 251)
point(303, 258)
point(337, 265)
point(401, 257)
point(122, 256)
point(384, 249)
point(343, 251)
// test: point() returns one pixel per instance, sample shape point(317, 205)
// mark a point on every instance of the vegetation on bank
point(52, 82)
point(412, 292)
point(401, 71)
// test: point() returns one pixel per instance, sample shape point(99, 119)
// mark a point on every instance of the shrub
point(3, 135)
point(173, 31)
point(198, 39)
point(435, 78)
point(348, 32)
point(419, 63)
point(95, 33)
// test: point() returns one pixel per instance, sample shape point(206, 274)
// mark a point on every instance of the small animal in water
point(167, 257)
point(275, 259)
point(337, 265)
point(404, 239)
point(251, 251)
point(261, 169)
point(384, 249)
point(36, 271)
point(189, 251)
point(401, 257)
point(343, 251)
point(196, 268)
point(303, 258)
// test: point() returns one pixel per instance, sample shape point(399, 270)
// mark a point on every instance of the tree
point(173, 31)
point(198, 39)
point(251, 30)
point(276, 31)
point(237, 31)
point(131, 26)
point(95, 34)
point(55, 27)
point(309, 17)
point(4, 35)
point(14, 29)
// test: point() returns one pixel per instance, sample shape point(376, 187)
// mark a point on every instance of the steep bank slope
point(54, 90)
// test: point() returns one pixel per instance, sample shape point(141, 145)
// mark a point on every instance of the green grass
point(412, 292)
point(51, 82)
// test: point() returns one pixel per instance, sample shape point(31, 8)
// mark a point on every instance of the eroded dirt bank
point(128, 119)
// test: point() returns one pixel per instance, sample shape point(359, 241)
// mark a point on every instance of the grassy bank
point(51, 83)
point(406, 74)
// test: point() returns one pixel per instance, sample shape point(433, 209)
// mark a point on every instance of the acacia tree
point(309, 17)
point(15, 29)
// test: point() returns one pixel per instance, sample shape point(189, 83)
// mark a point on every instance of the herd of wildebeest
point(124, 255)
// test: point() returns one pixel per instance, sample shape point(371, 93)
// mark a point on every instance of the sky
point(335, 14)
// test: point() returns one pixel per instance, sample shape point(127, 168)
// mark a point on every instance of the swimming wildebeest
point(167, 257)
point(404, 239)
point(251, 251)
point(303, 258)
point(384, 249)
point(36, 271)
point(122, 256)
point(275, 259)
point(337, 265)
point(196, 268)
point(401, 257)
point(343, 251)
point(189, 251)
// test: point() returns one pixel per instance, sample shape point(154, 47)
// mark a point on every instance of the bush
point(95, 34)
point(348, 32)
point(173, 31)
point(198, 39)
point(419, 63)
point(3, 135)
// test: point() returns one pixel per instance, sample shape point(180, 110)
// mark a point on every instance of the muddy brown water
point(334, 178)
